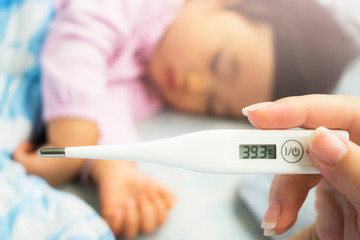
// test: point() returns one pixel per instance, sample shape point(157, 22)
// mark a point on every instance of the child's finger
point(118, 219)
point(168, 196)
point(160, 206)
point(147, 214)
point(109, 220)
point(132, 219)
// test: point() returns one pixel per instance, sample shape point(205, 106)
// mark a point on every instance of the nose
point(194, 83)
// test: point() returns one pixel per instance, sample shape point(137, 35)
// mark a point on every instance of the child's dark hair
point(311, 48)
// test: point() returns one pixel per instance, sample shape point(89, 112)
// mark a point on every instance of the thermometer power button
point(292, 151)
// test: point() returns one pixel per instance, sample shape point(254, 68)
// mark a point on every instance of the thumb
point(338, 160)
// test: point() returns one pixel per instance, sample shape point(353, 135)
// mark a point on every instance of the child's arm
point(77, 85)
point(80, 42)
point(61, 132)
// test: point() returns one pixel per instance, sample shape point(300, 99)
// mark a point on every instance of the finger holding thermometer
point(213, 151)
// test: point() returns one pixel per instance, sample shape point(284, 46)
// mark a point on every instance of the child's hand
point(131, 202)
point(24, 152)
point(27, 155)
point(337, 158)
point(55, 171)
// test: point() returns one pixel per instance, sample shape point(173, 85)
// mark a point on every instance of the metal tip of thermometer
point(52, 152)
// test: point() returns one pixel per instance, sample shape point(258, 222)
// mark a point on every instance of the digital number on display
point(257, 151)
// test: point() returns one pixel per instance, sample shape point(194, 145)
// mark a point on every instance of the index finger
point(309, 111)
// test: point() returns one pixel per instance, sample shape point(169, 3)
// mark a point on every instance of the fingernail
point(271, 217)
point(268, 225)
point(328, 146)
point(269, 232)
point(254, 107)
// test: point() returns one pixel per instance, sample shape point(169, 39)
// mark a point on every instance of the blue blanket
point(29, 207)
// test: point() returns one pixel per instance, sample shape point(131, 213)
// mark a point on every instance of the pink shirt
point(93, 58)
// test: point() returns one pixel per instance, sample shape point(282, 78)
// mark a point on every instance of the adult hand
point(338, 160)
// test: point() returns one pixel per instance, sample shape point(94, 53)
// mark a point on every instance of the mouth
point(170, 81)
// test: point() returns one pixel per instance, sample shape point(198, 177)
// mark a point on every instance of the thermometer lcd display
point(257, 151)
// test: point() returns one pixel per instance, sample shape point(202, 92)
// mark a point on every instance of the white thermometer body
point(213, 151)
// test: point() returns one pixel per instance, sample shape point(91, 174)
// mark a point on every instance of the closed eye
point(214, 62)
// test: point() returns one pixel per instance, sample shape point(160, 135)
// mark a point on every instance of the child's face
point(213, 60)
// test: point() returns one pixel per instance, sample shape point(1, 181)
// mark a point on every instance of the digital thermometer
point(213, 151)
